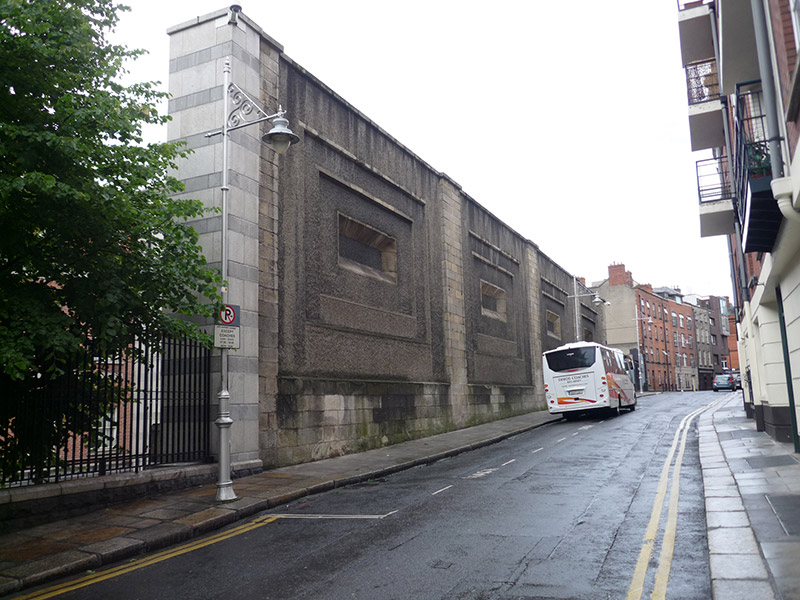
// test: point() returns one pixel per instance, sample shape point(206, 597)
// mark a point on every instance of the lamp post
point(596, 300)
point(245, 112)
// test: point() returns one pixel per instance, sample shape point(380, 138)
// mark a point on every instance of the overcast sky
point(567, 120)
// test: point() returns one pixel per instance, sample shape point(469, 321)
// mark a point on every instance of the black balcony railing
point(714, 179)
point(750, 139)
point(702, 81)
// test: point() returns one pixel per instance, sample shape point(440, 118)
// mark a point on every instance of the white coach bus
point(587, 376)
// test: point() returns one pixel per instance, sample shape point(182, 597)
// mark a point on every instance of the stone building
point(378, 301)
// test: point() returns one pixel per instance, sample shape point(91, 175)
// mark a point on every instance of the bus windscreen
point(567, 360)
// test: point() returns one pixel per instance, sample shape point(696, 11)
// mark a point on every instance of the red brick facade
point(667, 334)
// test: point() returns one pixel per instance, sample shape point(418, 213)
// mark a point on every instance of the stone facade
point(379, 302)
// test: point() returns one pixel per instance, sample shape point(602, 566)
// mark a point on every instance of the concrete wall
point(379, 301)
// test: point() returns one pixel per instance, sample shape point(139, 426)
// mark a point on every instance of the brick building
point(740, 59)
point(655, 327)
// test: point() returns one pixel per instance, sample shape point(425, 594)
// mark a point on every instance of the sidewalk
point(34, 556)
point(752, 489)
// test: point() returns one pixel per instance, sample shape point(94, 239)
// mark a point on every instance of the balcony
point(695, 27)
point(738, 59)
point(761, 218)
point(706, 107)
point(717, 201)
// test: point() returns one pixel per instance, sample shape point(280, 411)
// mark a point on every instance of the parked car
point(723, 382)
point(737, 379)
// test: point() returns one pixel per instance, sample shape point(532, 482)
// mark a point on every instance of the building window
point(674, 320)
point(675, 338)
point(588, 335)
point(711, 321)
point(688, 322)
point(683, 340)
point(493, 302)
point(553, 325)
point(685, 358)
point(713, 340)
point(367, 251)
point(724, 363)
point(681, 319)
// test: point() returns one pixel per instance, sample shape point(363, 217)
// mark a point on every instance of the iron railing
point(751, 148)
point(111, 414)
point(702, 81)
point(714, 179)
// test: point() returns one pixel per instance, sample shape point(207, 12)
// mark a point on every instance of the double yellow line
point(146, 562)
point(670, 528)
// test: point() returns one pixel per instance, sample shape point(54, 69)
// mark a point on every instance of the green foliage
point(92, 245)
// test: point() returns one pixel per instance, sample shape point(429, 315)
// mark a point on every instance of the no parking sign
point(226, 333)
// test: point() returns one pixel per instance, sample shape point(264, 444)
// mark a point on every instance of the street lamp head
point(280, 137)
point(597, 301)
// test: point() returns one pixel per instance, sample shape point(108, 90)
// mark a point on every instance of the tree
point(93, 243)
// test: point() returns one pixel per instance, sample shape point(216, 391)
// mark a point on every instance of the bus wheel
point(632, 407)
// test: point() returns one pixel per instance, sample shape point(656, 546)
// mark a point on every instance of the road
point(562, 511)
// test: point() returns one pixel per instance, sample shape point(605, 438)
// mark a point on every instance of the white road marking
point(482, 473)
point(441, 490)
point(561, 440)
point(537, 450)
point(509, 462)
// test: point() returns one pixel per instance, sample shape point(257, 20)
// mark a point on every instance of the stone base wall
point(320, 419)
point(777, 422)
point(491, 402)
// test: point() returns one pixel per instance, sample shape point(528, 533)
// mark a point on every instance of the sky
point(566, 120)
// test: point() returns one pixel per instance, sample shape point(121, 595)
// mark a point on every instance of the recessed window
point(366, 250)
point(493, 301)
point(553, 325)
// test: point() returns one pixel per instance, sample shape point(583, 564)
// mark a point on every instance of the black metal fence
point(122, 413)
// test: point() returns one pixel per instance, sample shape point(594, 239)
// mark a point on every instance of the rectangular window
point(674, 320)
point(493, 301)
point(681, 319)
point(367, 251)
point(553, 325)
point(675, 338)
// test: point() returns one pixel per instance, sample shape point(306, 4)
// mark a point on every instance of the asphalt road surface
point(580, 510)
